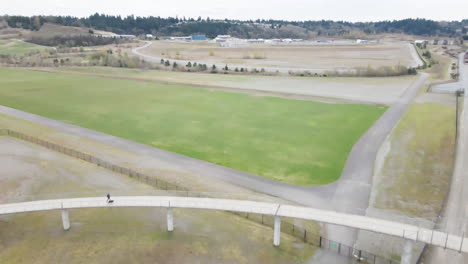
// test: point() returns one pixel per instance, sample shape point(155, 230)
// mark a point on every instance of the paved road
point(455, 214)
point(349, 194)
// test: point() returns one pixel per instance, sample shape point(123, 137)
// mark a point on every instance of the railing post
point(461, 242)
point(170, 219)
point(65, 219)
point(407, 252)
point(277, 231)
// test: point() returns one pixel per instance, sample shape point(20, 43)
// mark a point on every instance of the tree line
point(175, 26)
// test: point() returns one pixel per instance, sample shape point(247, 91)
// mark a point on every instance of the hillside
point(244, 29)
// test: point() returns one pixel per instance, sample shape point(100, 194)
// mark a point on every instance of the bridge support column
point(407, 252)
point(65, 219)
point(277, 231)
point(170, 220)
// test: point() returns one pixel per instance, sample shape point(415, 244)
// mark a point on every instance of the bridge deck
point(406, 231)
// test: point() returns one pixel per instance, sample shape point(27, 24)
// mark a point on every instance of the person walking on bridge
point(109, 199)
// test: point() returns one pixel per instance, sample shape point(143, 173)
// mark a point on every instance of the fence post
point(305, 235)
point(320, 242)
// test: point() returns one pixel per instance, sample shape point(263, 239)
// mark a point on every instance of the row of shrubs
point(199, 67)
point(383, 71)
point(110, 59)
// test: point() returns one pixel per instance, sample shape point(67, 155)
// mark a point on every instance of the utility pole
point(458, 93)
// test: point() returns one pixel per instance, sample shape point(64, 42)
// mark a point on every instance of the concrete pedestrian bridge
point(410, 233)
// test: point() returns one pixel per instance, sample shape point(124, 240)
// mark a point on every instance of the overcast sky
point(349, 10)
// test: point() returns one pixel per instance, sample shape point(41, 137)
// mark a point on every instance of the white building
point(421, 41)
point(116, 36)
point(222, 38)
point(255, 41)
point(186, 38)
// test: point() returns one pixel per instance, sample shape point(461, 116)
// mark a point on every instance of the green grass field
point(297, 142)
point(14, 47)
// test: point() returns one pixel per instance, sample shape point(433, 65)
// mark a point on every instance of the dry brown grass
point(417, 169)
point(311, 56)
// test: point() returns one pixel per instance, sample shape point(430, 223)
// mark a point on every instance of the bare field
point(320, 57)
point(378, 90)
point(118, 235)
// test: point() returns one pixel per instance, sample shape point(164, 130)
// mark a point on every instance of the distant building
point(222, 38)
point(187, 38)
point(255, 41)
point(362, 41)
point(198, 37)
point(149, 36)
point(421, 42)
point(116, 36)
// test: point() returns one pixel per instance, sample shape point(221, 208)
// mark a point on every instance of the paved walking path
point(349, 194)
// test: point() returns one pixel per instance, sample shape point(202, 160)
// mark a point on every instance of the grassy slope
point(296, 142)
point(14, 47)
point(420, 161)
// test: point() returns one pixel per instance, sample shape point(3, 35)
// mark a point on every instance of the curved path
point(356, 176)
point(408, 232)
point(349, 194)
